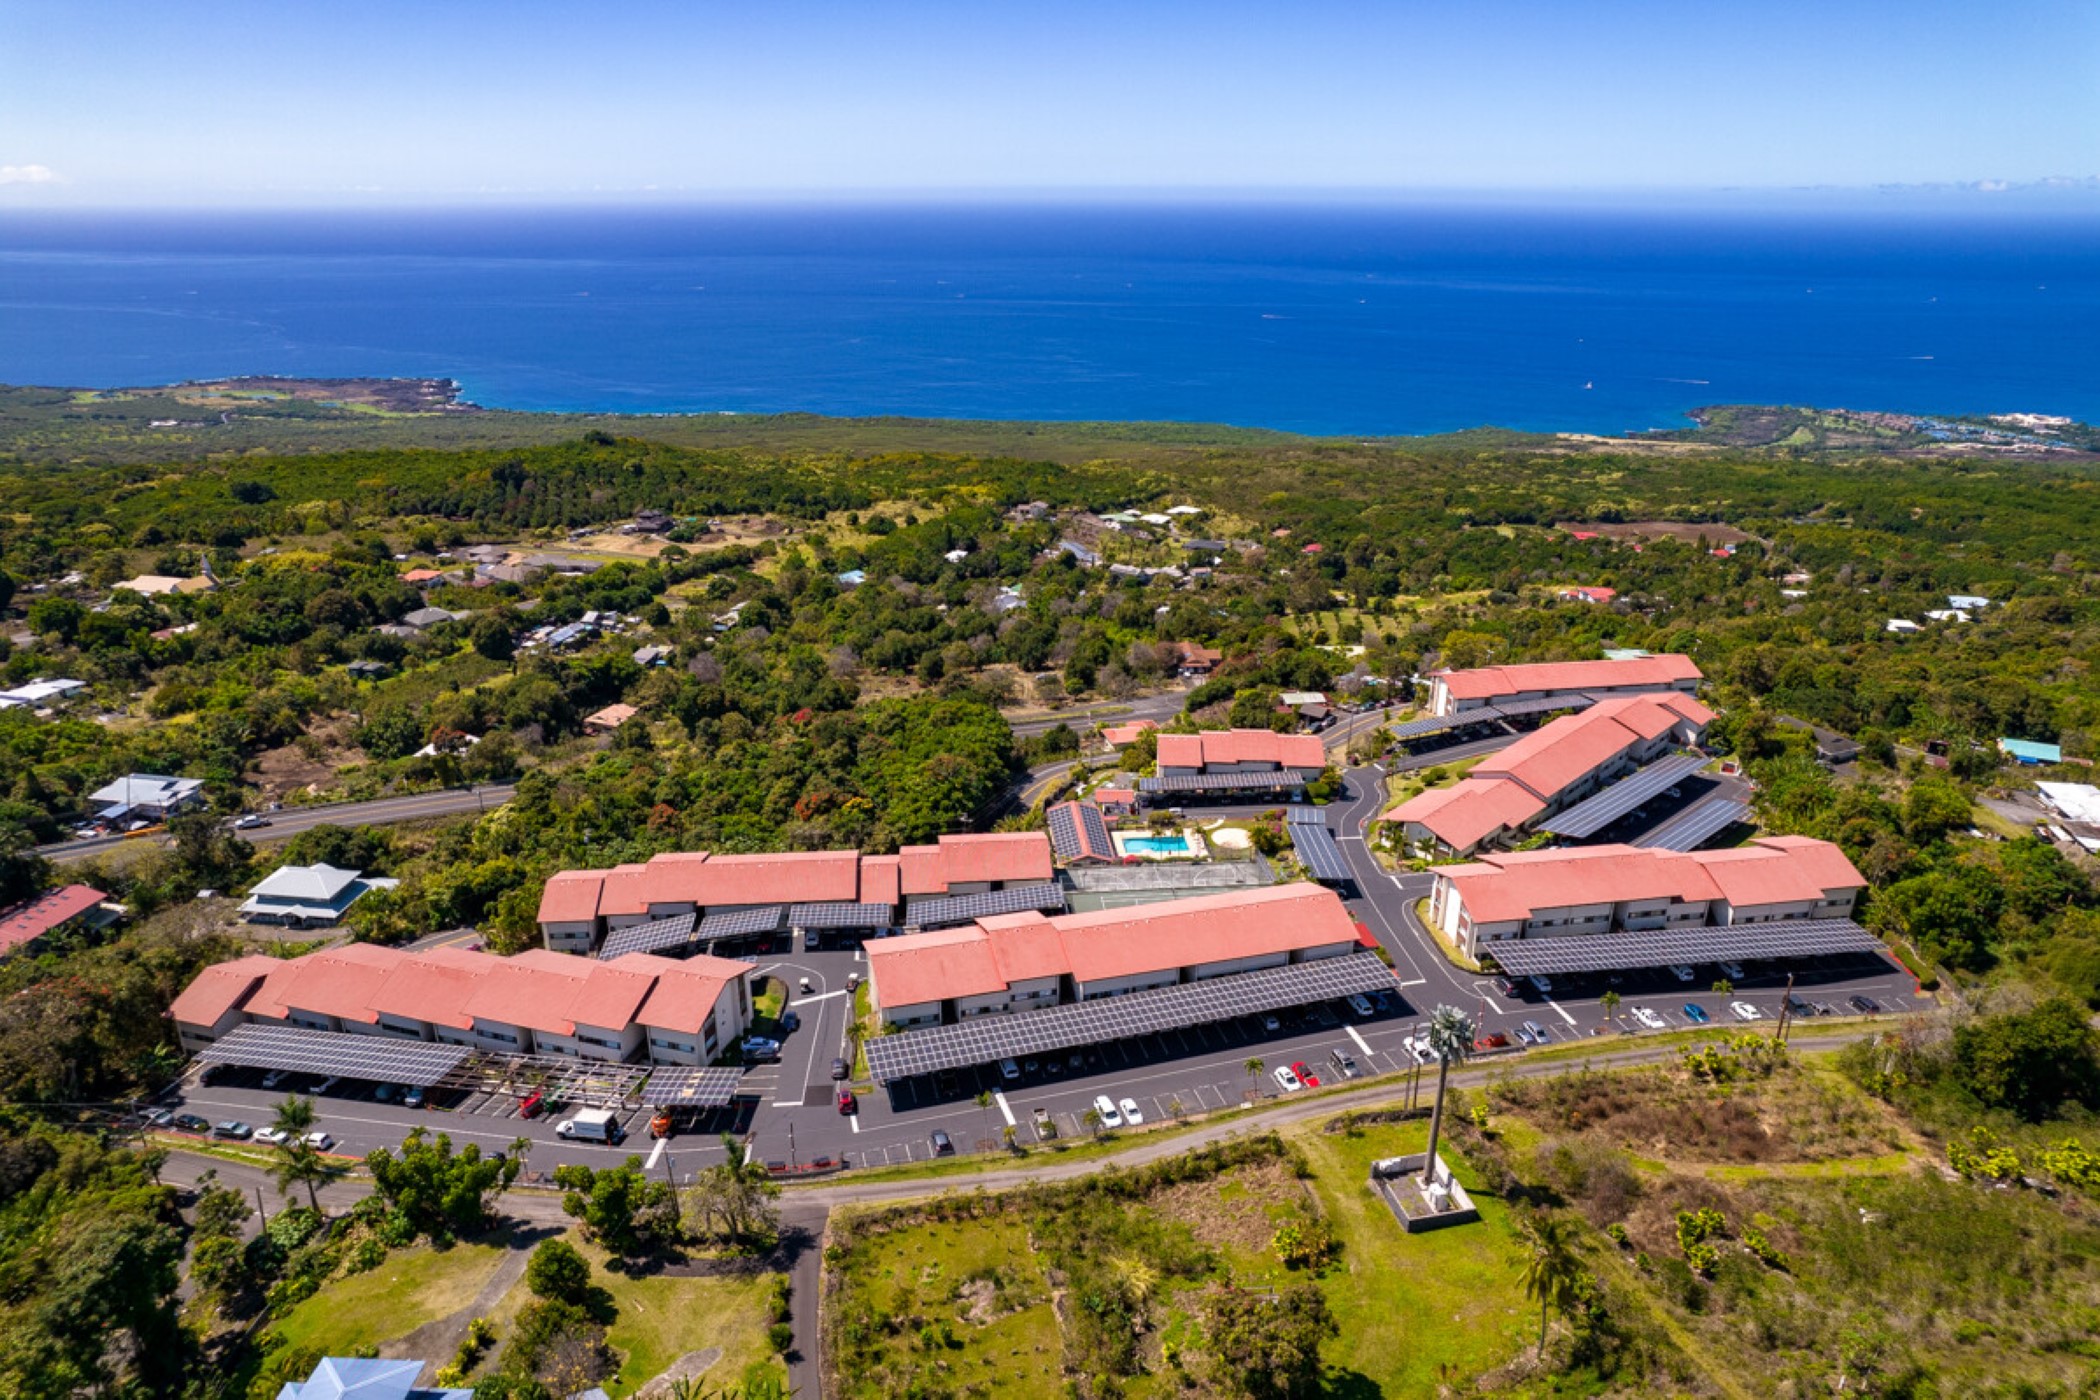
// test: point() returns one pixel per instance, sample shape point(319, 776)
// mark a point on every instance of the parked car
point(1494, 1041)
point(758, 1047)
point(384, 1093)
point(191, 1123)
point(1733, 971)
point(1009, 1071)
point(1800, 1007)
point(1343, 1062)
point(532, 1105)
point(838, 1068)
point(1287, 1081)
point(1305, 1075)
point(1105, 1107)
point(1695, 1013)
point(1744, 1011)
point(1681, 972)
point(1418, 1046)
point(275, 1077)
point(1360, 1005)
point(232, 1130)
point(411, 1096)
point(1866, 1004)
point(1271, 1024)
point(1506, 986)
point(661, 1125)
point(1543, 984)
point(250, 822)
point(790, 1021)
point(1130, 1112)
point(1649, 1019)
point(942, 1145)
point(1533, 1033)
point(847, 1103)
point(157, 1118)
point(852, 981)
point(319, 1141)
point(1324, 1016)
point(328, 1085)
point(271, 1137)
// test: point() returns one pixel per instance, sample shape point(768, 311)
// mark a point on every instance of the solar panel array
point(1438, 724)
point(680, 1086)
point(1305, 814)
point(995, 1037)
point(1077, 829)
point(1609, 952)
point(1222, 782)
point(840, 914)
point(962, 908)
point(740, 923)
point(416, 1062)
point(1319, 854)
point(1588, 817)
point(1539, 705)
point(652, 937)
point(1689, 830)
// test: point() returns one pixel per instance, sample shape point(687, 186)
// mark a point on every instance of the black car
point(942, 1145)
point(838, 1069)
point(1867, 1004)
point(191, 1123)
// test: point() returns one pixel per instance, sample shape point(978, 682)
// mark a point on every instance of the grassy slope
point(412, 1287)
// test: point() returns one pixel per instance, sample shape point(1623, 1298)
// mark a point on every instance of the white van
point(591, 1125)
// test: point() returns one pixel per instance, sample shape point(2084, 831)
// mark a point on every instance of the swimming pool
point(1182, 845)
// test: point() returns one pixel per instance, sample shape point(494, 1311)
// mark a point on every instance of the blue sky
point(172, 104)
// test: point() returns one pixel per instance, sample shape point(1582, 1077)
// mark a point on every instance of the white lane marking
point(1561, 1009)
point(999, 1098)
point(853, 1121)
point(1415, 983)
point(657, 1154)
point(820, 996)
point(783, 1103)
point(1497, 1007)
point(1361, 1044)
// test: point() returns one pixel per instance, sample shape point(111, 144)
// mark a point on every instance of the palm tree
point(984, 1106)
point(1610, 1002)
point(1724, 988)
point(298, 1164)
point(1551, 1270)
point(1450, 1033)
point(294, 1117)
point(1092, 1120)
point(1254, 1067)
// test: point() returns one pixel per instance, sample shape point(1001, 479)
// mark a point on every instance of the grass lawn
point(1409, 1304)
point(661, 1319)
point(412, 1287)
point(767, 1004)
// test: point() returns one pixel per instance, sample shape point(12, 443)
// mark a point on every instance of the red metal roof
point(1488, 682)
point(31, 920)
point(624, 891)
point(1502, 888)
point(339, 982)
point(1468, 812)
point(571, 897)
point(1241, 746)
point(684, 992)
point(221, 988)
point(433, 986)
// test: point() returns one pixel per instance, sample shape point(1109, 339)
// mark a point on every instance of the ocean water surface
point(1356, 319)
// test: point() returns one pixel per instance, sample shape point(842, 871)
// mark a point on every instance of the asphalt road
point(290, 821)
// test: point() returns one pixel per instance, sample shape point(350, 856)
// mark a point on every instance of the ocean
point(1345, 319)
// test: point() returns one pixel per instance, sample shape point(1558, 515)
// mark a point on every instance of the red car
point(531, 1104)
point(1311, 1080)
point(847, 1103)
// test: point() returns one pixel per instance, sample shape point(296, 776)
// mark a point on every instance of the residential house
point(146, 797)
point(605, 721)
point(27, 924)
point(308, 896)
point(358, 1378)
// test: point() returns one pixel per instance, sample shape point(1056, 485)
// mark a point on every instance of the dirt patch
point(1233, 1211)
point(625, 546)
point(309, 765)
point(977, 1298)
point(686, 1367)
point(1231, 838)
point(1691, 532)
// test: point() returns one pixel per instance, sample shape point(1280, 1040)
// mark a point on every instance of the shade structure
point(1613, 952)
point(679, 1086)
point(1274, 781)
point(840, 914)
point(656, 936)
point(416, 1062)
point(1694, 827)
point(1318, 853)
point(964, 908)
point(1592, 815)
point(986, 1039)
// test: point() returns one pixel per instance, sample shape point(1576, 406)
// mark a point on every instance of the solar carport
point(964, 908)
point(324, 1053)
point(987, 1039)
point(675, 1086)
point(1613, 952)
point(1317, 852)
point(1695, 826)
point(1592, 815)
point(656, 936)
point(1274, 780)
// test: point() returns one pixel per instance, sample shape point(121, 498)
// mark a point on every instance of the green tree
point(620, 1207)
point(294, 1117)
point(2031, 1063)
point(559, 1271)
point(1610, 1002)
point(298, 1163)
point(1254, 1068)
point(442, 1191)
point(1552, 1273)
point(491, 637)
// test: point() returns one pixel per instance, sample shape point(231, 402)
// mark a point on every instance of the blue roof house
point(2028, 752)
point(357, 1378)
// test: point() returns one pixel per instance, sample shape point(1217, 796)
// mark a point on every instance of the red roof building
point(1242, 750)
point(49, 912)
point(1120, 735)
point(1453, 691)
point(1019, 961)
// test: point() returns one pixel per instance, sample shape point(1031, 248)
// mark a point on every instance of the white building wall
point(569, 937)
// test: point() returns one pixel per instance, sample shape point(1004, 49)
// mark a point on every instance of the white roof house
point(429, 617)
point(1947, 615)
point(40, 692)
point(308, 894)
point(147, 792)
point(1903, 625)
point(1968, 602)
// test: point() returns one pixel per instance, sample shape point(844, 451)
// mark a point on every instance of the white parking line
point(1415, 983)
point(853, 1121)
point(820, 996)
point(1361, 1043)
point(657, 1153)
point(1561, 1009)
point(999, 1098)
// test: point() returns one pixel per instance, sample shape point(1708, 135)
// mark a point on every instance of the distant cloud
point(28, 175)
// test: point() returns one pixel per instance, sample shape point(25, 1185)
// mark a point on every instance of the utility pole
point(793, 1162)
point(263, 1214)
point(1786, 1011)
